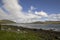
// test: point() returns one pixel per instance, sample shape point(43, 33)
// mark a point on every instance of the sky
point(49, 6)
point(25, 11)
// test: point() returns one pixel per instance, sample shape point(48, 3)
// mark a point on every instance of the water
point(55, 27)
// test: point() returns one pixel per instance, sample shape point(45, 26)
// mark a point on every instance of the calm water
point(56, 27)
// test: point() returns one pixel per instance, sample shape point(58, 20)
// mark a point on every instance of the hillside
point(47, 22)
point(52, 22)
point(6, 21)
point(38, 22)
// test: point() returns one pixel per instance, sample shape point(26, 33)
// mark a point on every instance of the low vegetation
point(27, 34)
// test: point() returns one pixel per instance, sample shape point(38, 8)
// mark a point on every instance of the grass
point(4, 35)
point(29, 34)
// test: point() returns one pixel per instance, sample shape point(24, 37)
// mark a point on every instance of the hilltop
point(47, 22)
point(6, 21)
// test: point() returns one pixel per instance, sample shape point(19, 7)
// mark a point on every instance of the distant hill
point(38, 22)
point(47, 22)
point(52, 22)
point(6, 21)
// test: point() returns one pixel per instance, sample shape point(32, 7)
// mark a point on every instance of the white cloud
point(32, 8)
point(54, 17)
point(41, 13)
point(12, 4)
point(3, 15)
point(13, 7)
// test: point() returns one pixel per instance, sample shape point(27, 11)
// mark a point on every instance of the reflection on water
point(55, 27)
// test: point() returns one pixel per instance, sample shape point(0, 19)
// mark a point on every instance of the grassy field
point(29, 34)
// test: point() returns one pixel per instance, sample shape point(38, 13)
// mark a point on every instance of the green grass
point(4, 35)
point(29, 34)
point(7, 35)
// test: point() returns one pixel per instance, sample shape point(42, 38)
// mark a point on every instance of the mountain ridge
point(6, 21)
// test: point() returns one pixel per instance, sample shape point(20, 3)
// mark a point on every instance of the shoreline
point(21, 27)
point(20, 33)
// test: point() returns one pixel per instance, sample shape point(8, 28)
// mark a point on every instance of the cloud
point(41, 13)
point(31, 8)
point(54, 17)
point(13, 7)
point(12, 4)
point(15, 13)
point(3, 15)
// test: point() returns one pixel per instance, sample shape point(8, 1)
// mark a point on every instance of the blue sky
point(49, 6)
point(30, 10)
